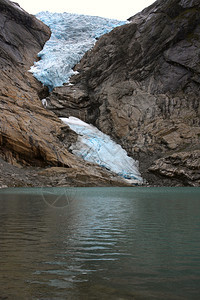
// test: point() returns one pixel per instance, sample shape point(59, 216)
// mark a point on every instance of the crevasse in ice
point(72, 35)
point(94, 146)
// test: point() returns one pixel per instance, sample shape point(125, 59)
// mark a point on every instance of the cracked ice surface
point(72, 35)
point(96, 147)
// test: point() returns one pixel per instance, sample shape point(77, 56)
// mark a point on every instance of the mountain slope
point(140, 84)
point(29, 134)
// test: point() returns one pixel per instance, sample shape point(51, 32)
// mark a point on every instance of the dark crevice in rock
point(43, 92)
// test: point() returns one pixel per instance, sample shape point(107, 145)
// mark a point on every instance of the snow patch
point(18, 6)
point(44, 102)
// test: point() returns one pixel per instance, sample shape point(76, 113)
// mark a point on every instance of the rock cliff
point(141, 85)
point(31, 136)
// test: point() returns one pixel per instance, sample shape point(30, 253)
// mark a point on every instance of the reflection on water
point(100, 243)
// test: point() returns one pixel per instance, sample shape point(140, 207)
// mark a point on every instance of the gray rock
point(140, 84)
point(182, 166)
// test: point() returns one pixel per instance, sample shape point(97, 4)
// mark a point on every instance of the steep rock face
point(29, 134)
point(140, 84)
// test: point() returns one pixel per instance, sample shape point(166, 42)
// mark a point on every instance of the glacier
point(94, 146)
point(72, 36)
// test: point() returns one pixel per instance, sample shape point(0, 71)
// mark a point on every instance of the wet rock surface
point(140, 84)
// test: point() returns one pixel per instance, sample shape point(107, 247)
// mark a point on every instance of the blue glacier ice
point(72, 35)
point(94, 146)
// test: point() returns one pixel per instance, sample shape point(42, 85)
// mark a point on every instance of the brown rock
point(29, 134)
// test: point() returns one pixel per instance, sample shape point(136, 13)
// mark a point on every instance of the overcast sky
point(114, 9)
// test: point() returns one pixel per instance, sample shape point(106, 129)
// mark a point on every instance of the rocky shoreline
point(18, 176)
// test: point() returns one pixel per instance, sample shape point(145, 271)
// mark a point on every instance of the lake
point(100, 243)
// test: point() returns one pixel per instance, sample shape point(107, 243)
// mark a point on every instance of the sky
point(113, 9)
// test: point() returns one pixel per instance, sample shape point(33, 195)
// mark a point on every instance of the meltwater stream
point(100, 243)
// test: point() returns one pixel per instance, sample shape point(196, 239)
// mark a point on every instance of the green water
point(100, 243)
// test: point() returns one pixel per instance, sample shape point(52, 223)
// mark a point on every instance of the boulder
point(182, 166)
